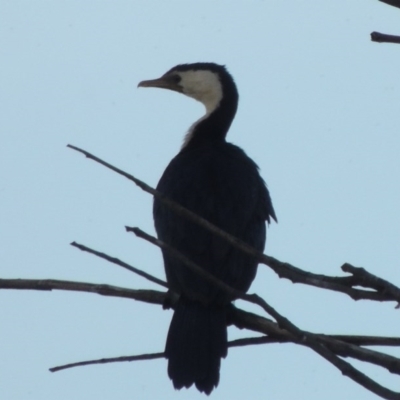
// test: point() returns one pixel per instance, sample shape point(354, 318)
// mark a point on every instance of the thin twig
point(153, 356)
point(122, 264)
point(251, 341)
point(140, 357)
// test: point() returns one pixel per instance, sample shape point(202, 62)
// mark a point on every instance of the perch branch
point(283, 270)
point(147, 296)
point(240, 318)
point(300, 336)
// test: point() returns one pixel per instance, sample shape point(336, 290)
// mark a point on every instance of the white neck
point(204, 86)
point(190, 132)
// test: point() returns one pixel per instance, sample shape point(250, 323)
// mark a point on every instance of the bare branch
point(122, 264)
point(242, 319)
point(310, 340)
point(366, 279)
point(283, 270)
point(327, 348)
point(394, 3)
point(300, 337)
point(140, 357)
point(147, 296)
point(153, 356)
point(247, 320)
point(384, 38)
point(188, 263)
point(233, 343)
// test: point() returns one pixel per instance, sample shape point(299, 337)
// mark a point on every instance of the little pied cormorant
point(219, 182)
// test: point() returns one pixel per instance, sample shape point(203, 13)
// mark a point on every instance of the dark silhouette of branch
point(344, 284)
point(239, 318)
point(141, 357)
point(191, 265)
point(147, 296)
point(394, 3)
point(122, 264)
point(300, 336)
point(369, 280)
point(152, 356)
point(326, 345)
point(384, 38)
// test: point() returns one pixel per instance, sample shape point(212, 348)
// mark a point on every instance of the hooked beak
point(165, 82)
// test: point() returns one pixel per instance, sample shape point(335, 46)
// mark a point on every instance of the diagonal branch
point(122, 264)
point(394, 3)
point(283, 270)
point(304, 338)
point(190, 264)
point(300, 336)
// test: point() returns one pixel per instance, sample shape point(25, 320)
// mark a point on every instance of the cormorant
point(218, 181)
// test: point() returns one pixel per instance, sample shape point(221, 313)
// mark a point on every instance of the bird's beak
point(165, 82)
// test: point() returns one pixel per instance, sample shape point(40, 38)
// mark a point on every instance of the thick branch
point(384, 38)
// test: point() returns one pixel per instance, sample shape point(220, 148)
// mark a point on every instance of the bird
point(219, 182)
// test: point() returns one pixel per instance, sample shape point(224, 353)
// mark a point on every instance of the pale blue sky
point(319, 112)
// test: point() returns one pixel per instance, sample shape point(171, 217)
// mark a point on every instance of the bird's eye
point(175, 78)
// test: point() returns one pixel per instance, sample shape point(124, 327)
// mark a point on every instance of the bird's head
point(205, 82)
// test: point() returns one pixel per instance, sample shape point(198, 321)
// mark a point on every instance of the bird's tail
point(196, 342)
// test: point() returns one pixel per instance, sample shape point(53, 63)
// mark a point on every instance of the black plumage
point(219, 182)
